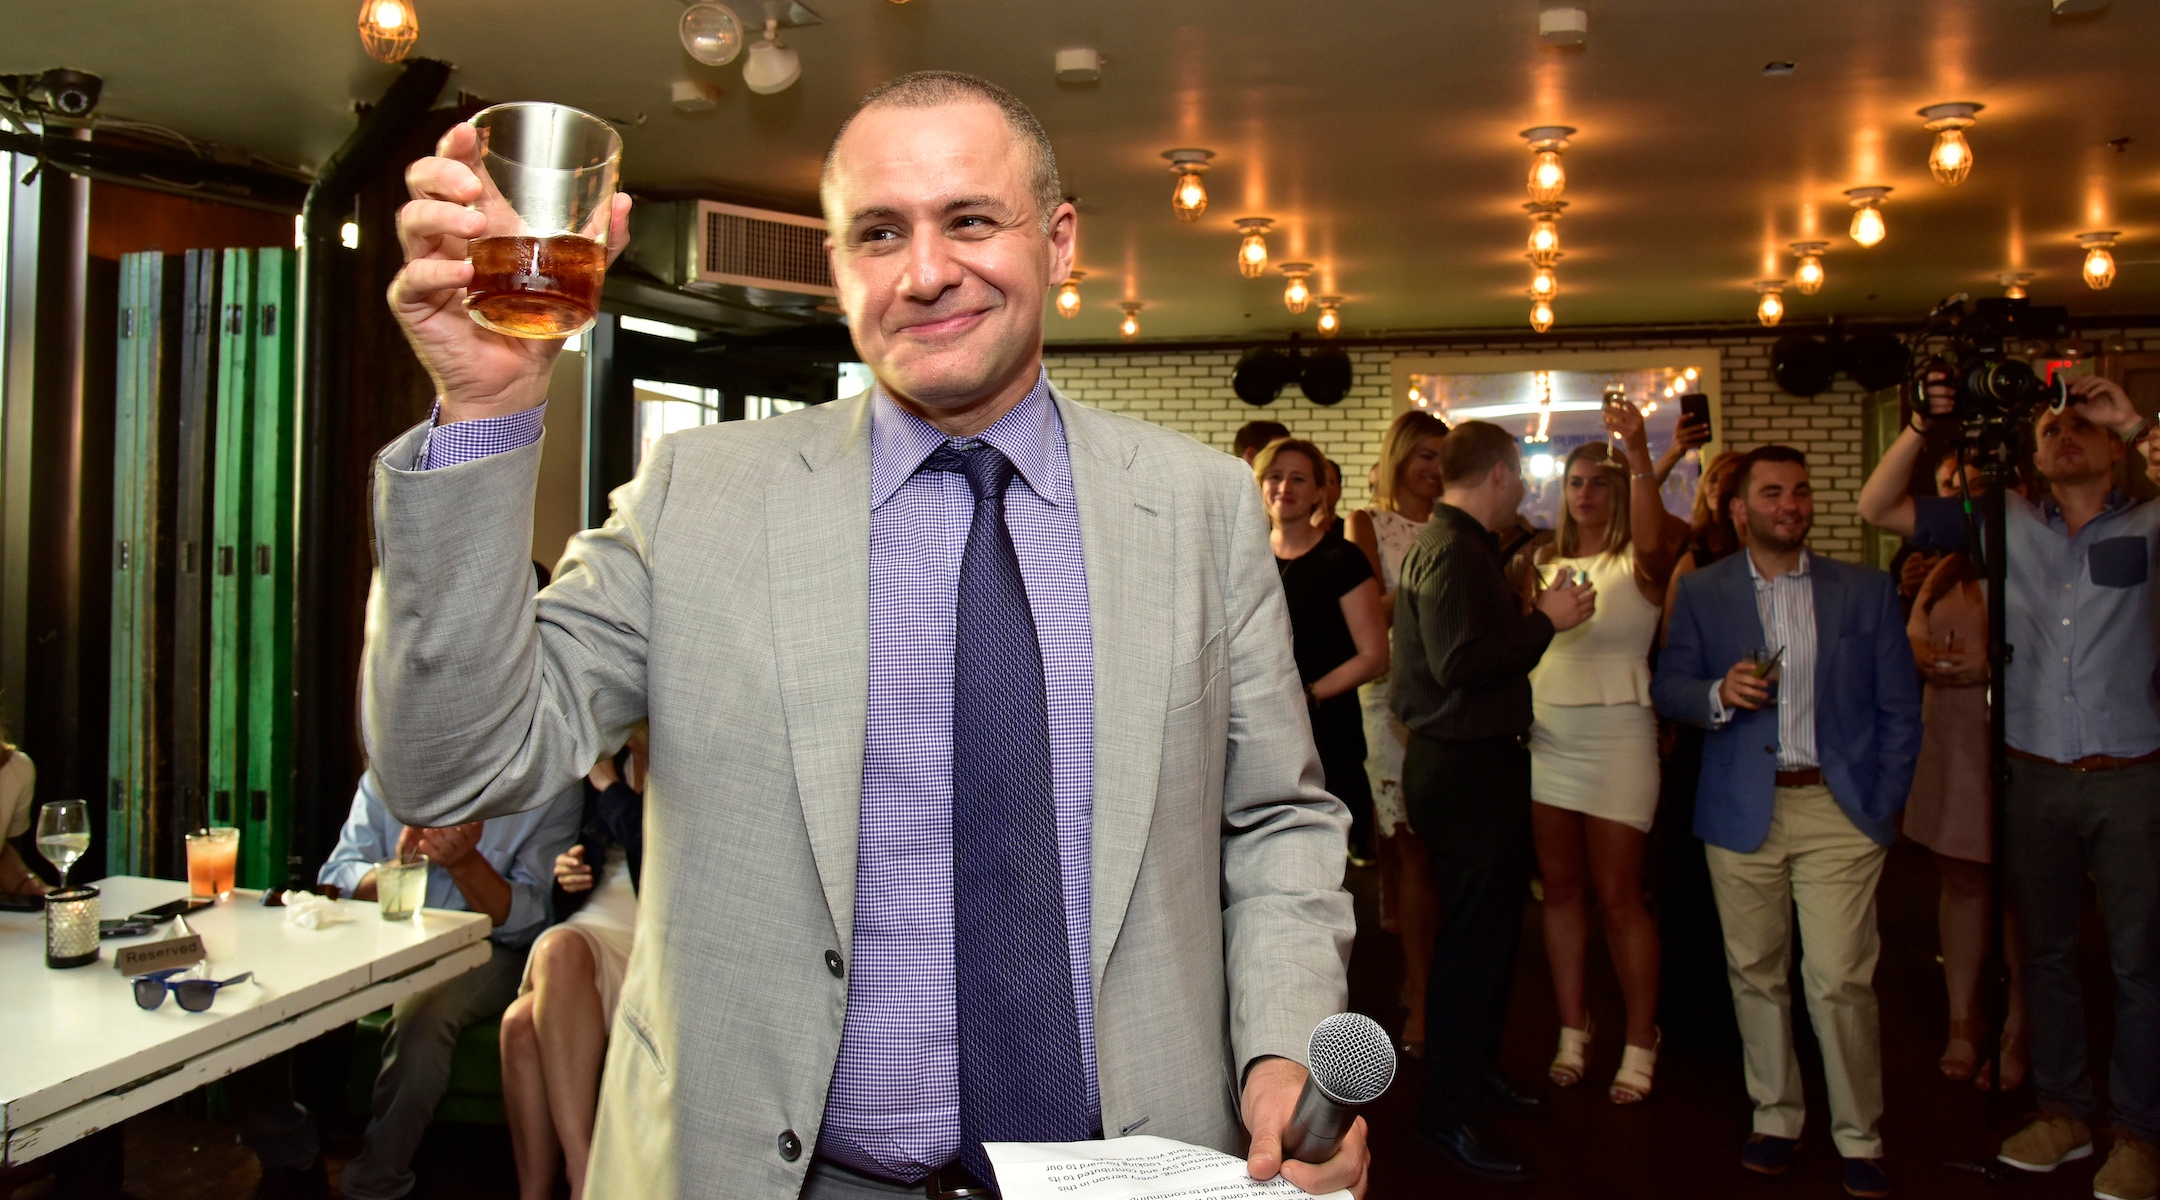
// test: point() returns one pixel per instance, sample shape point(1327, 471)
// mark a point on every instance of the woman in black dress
point(1340, 640)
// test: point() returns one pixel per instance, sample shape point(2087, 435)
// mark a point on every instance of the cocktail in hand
point(547, 176)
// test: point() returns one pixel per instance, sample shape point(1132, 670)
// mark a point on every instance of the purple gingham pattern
point(464, 441)
point(894, 1107)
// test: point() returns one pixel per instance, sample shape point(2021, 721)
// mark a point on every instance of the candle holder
point(71, 927)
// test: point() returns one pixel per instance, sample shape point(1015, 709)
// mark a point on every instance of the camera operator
point(2084, 746)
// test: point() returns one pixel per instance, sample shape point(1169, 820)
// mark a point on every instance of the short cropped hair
point(1472, 449)
point(1772, 453)
point(1252, 435)
point(935, 89)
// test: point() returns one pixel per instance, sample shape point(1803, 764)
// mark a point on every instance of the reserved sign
point(157, 956)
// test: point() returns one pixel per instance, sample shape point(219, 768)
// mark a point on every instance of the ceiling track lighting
point(1771, 308)
point(1330, 315)
point(1545, 231)
point(1867, 220)
point(1188, 196)
point(388, 29)
point(1952, 158)
point(1297, 292)
point(1547, 178)
point(2014, 284)
point(1252, 248)
point(772, 67)
point(1808, 273)
point(2099, 270)
point(1068, 297)
point(1541, 315)
point(1129, 328)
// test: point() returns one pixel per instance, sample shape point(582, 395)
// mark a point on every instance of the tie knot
point(985, 468)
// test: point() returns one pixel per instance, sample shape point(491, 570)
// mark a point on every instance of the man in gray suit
point(982, 803)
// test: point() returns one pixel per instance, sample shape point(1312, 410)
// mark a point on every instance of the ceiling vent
point(728, 249)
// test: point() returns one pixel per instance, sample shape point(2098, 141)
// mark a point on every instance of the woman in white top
point(1405, 486)
point(1593, 746)
point(18, 792)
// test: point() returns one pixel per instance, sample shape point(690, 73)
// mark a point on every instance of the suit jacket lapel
point(1829, 589)
point(1125, 534)
point(817, 550)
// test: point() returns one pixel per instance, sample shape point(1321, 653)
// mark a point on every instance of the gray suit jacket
point(727, 601)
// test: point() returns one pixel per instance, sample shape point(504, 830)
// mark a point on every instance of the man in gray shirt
point(2084, 743)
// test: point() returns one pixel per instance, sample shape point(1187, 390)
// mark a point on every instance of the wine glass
point(63, 834)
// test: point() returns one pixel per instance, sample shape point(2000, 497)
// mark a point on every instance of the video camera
point(1970, 344)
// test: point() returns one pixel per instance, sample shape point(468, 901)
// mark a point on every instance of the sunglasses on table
point(195, 995)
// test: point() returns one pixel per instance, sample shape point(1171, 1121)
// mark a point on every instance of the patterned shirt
point(1786, 607)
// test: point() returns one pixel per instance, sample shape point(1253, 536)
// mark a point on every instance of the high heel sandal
point(1959, 1067)
point(1569, 1061)
point(1638, 1066)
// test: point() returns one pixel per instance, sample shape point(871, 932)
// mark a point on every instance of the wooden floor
point(1684, 1143)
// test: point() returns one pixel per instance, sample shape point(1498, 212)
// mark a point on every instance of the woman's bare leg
point(1631, 936)
point(572, 1036)
point(1417, 916)
point(1562, 867)
point(525, 1104)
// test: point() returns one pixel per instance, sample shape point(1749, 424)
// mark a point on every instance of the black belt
point(949, 1182)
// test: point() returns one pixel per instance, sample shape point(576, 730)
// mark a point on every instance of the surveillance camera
point(71, 93)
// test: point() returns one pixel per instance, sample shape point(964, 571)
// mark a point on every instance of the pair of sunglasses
point(195, 995)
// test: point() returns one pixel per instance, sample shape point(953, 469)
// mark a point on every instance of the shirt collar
point(2117, 500)
point(1800, 572)
point(1032, 436)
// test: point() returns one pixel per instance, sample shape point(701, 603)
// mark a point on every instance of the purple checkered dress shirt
point(894, 1106)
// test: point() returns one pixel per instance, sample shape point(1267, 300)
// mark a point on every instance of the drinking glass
point(547, 180)
point(71, 926)
point(1767, 668)
point(212, 857)
point(401, 886)
point(63, 834)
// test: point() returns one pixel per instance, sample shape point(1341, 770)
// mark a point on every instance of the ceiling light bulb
point(1068, 297)
point(1544, 284)
point(1691, 374)
point(1867, 221)
point(1547, 177)
point(1129, 328)
point(710, 33)
point(1188, 196)
point(388, 29)
point(2014, 284)
point(1771, 308)
point(1252, 248)
point(1330, 315)
point(1297, 293)
point(771, 67)
point(1952, 158)
point(1808, 274)
point(1541, 315)
point(2099, 271)
point(1544, 238)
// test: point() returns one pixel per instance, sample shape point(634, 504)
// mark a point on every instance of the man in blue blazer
point(1803, 774)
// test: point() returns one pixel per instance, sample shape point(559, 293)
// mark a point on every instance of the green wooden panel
point(125, 665)
point(140, 643)
point(230, 539)
point(267, 827)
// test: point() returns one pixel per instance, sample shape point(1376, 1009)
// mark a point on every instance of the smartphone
point(1695, 405)
point(171, 908)
point(131, 927)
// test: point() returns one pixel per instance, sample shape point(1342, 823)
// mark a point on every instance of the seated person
point(18, 784)
point(501, 867)
point(555, 1031)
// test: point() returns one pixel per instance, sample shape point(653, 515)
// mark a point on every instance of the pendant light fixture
point(1544, 283)
point(1541, 315)
point(1867, 220)
point(1808, 276)
point(1547, 178)
point(1545, 231)
point(1068, 297)
point(1330, 315)
point(2014, 284)
point(772, 67)
point(710, 33)
point(1771, 308)
point(1297, 293)
point(2099, 269)
point(1252, 248)
point(1952, 158)
point(388, 29)
point(1188, 196)
point(1129, 328)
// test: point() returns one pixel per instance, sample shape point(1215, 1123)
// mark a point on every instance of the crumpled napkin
point(310, 911)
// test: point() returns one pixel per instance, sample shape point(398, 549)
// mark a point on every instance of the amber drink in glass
point(547, 177)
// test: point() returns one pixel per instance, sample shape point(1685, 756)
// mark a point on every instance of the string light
point(2014, 284)
point(1252, 248)
point(1541, 315)
point(1808, 273)
point(1188, 196)
point(1068, 297)
point(1129, 328)
point(1547, 177)
point(388, 29)
point(1297, 293)
point(2099, 269)
point(1771, 308)
point(1867, 221)
point(1952, 158)
point(1330, 315)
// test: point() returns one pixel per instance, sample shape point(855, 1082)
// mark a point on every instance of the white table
point(79, 1056)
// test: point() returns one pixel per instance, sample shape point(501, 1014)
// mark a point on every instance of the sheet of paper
point(1129, 1168)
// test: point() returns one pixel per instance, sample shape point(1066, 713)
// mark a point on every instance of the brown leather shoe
point(2132, 1171)
point(2051, 1140)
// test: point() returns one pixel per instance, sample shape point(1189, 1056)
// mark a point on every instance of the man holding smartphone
point(1799, 797)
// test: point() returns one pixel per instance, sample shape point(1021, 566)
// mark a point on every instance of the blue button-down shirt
point(521, 847)
point(894, 1105)
point(2080, 623)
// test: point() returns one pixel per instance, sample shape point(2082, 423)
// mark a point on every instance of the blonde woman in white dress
point(1406, 483)
point(1593, 747)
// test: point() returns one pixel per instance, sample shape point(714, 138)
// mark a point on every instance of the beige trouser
point(1816, 860)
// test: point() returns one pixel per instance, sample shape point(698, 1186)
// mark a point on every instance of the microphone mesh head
point(1351, 1058)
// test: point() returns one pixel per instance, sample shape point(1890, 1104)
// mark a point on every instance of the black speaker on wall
point(1261, 372)
point(1326, 378)
point(1802, 365)
point(1805, 366)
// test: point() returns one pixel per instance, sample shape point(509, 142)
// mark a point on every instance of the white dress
point(1386, 737)
point(608, 923)
point(1593, 746)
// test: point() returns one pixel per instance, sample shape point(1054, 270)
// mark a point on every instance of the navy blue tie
point(1021, 1078)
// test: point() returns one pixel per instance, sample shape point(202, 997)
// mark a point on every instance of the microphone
point(1351, 1062)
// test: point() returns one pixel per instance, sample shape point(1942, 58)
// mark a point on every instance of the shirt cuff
point(465, 441)
point(1719, 714)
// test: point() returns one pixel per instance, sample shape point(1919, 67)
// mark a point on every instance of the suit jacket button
point(1769, 749)
point(790, 1145)
point(833, 964)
